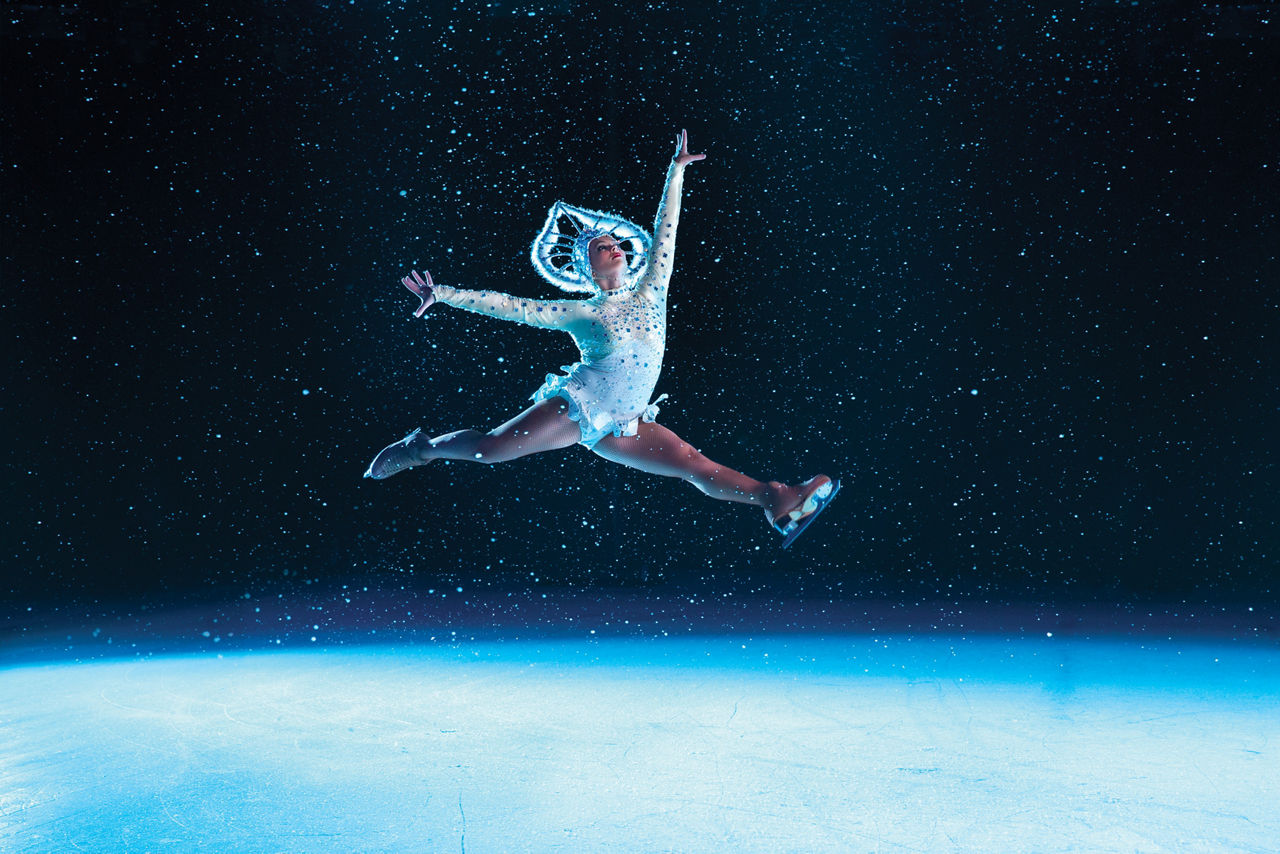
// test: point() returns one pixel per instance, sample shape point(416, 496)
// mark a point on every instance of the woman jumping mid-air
point(602, 402)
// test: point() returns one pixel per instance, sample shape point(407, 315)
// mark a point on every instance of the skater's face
point(607, 257)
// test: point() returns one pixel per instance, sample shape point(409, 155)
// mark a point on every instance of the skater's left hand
point(423, 288)
point(682, 152)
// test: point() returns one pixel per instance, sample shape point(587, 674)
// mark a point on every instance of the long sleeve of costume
point(544, 314)
point(663, 251)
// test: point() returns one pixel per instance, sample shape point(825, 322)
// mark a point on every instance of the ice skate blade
point(394, 458)
point(821, 497)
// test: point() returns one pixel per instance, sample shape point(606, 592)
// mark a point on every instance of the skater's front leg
point(417, 449)
point(545, 426)
point(412, 450)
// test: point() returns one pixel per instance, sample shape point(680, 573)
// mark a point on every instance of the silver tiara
point(559, 253)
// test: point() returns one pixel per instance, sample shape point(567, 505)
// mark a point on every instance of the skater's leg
point(657, 450)
point(545, 426)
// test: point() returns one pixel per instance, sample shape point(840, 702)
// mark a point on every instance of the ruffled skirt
point(603, 401)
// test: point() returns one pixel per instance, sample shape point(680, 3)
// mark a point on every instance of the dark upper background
point(1011, 274)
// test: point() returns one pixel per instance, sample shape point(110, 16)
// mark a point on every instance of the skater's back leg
point(657, 450)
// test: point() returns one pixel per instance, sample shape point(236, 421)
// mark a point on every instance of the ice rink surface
point(713, 743)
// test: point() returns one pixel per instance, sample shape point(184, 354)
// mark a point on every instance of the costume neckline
point(601, 293)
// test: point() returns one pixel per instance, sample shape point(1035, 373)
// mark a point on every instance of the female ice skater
point(602, 402)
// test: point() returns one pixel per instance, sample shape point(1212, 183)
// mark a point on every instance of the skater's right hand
point(424, 289)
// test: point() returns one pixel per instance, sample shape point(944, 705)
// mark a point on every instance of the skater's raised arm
point(662, 253)
point(545, 314)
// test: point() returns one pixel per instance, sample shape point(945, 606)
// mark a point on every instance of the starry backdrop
point(1010, 272)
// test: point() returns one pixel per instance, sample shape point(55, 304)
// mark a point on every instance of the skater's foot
point(798, 502)
point(394, 458)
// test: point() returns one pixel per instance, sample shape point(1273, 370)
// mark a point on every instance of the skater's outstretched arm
point(545, 314)
point(663, 251)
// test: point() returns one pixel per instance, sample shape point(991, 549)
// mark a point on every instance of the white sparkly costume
point(621, 334)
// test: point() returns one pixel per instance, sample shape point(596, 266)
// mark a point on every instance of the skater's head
point(608, 260)
point(584, 251)
point(600, 258)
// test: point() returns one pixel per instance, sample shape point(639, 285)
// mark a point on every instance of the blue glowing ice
point(711, 744)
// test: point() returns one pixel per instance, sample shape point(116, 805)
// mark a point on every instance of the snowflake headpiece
point(560, 252)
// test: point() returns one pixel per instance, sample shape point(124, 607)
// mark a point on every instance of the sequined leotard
point(621, 335)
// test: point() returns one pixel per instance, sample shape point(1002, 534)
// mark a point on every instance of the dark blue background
point(1010, 274)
